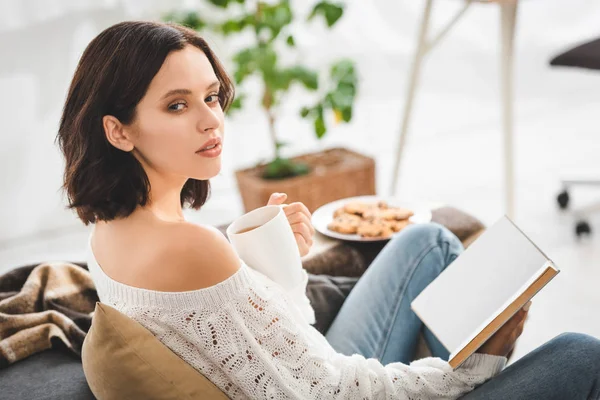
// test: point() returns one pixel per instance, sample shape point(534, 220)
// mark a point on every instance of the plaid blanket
point(44, 306)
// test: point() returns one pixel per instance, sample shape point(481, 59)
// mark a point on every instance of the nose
point(208, 119)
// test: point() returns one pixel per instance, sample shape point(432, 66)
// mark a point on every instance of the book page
point(478, 283)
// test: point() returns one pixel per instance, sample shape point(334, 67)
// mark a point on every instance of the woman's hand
point(299, 219)
point(503, 341)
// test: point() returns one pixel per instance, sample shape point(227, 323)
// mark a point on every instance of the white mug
point(270, 247)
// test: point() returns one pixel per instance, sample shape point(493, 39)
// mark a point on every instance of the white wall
point(41, 40)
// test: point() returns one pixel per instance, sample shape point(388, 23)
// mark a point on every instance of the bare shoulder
point(190, 256)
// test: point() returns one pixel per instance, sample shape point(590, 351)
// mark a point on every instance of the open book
point(482, 289)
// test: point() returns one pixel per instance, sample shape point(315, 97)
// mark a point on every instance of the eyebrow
point(170, 93)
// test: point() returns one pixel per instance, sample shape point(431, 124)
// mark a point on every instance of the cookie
point(397, 213)
point(375, 229)
point(372, 220)
point(357, 208)
point(382, 205)
point(397, 226)
point(392, 213)
point(340, 211)
point(345, 223)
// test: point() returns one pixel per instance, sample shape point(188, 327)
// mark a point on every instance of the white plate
point(324, 215)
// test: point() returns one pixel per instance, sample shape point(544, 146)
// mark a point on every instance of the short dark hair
point(102, 182)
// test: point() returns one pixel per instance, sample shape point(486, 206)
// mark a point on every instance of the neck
point(165, 197)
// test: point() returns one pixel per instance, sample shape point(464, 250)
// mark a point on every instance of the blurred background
point(453, 154)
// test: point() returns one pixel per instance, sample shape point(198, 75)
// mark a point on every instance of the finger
point(520, 327)
point(298, 217)
point(302, 245)
point(512, 340)
point(301, 218)
point(510, 348)
point(515, 334)
point(303, 230)
point(297, 207)
point(277, 199)
point(518, 318)
point(519, 330)
point(509, 327)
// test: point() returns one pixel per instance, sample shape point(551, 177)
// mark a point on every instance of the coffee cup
point(264, 240)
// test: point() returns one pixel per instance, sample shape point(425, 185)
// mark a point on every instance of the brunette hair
point(114, 72)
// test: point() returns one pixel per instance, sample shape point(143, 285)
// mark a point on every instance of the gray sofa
point(51, 374)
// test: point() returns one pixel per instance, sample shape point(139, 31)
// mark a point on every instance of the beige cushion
point(123, 360)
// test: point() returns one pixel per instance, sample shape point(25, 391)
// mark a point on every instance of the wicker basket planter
point(335, 174)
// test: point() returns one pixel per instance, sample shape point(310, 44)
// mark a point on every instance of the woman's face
point(178, 115)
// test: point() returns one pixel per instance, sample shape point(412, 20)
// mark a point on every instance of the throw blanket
point(43, 306)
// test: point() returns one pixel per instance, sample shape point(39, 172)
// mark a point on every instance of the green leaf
point(266, 58)
point(281, 168)
point(231, 26)
point(290, 41)
point(340, 100)
point(347, 114)
point(344, 72)
point(280, 145)
point(169, 17)
point(261, 59)
point(301, 169)
point(191, 19)
point(236, 104)
point(273, 170)
point(278, 80)
point(245, 65)
point(341, 97)
point(235, 25)
point(346, 89)
point(220, 3)
point(309, 78)
point(330, 11)
point(273, 18)
point(320, 128)
point(304, 112)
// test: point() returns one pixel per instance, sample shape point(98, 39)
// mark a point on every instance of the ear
point(115, 133)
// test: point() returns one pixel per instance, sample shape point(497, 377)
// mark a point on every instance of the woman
point(142, 133)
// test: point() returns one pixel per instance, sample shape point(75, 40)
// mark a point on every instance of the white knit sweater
point(254, 340)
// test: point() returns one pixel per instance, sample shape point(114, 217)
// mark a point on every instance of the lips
point(210, 144)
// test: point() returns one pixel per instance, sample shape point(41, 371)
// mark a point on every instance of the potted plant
point(316, 178)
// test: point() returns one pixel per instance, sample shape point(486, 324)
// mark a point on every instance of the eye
point(213, 98)
point(179, 106)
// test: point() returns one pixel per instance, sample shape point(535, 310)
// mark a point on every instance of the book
point(483, 288)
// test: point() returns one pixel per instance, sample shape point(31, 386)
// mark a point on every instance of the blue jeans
point(376, 321)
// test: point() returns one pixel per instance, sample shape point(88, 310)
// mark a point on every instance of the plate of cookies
point(367, 218)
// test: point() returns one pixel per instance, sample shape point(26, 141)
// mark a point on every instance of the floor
point(453, 156)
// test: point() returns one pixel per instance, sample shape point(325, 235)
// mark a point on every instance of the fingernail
point(526, 306)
